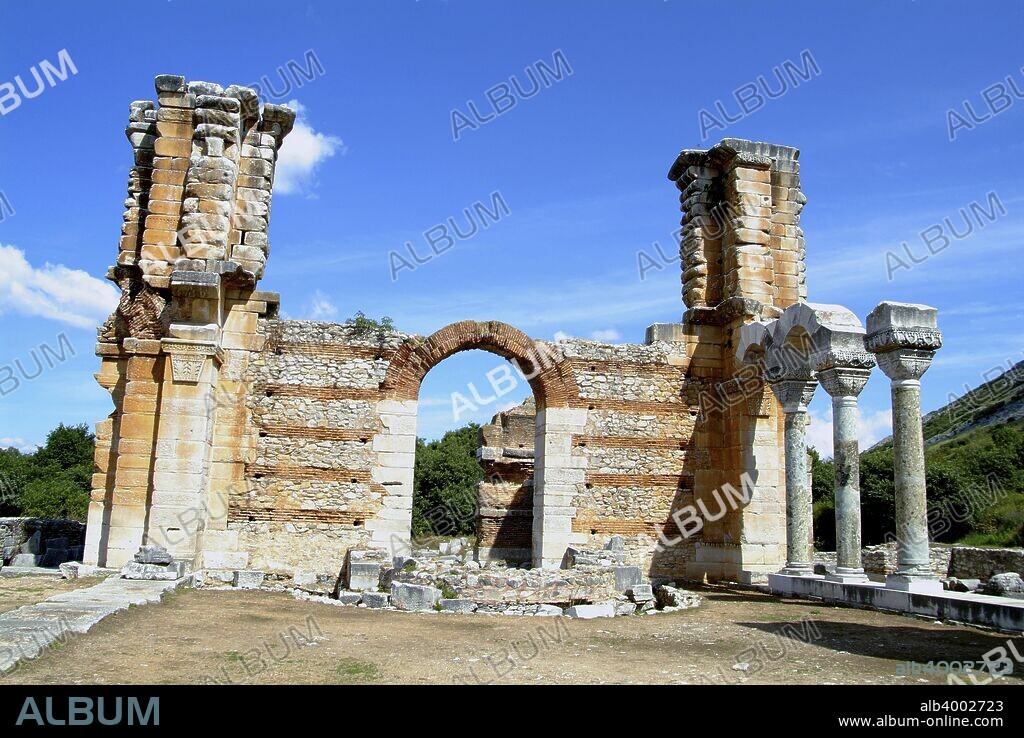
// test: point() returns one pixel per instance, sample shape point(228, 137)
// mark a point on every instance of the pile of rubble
point(446, 579)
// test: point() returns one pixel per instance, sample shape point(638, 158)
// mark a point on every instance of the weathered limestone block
point(589, 612)
point(414, 596)
point(248, 579)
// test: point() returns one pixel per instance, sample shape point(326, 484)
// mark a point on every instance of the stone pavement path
point(25, 632)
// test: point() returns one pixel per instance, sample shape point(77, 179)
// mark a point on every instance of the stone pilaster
point(558, 475)
point(904, 338)
point(794, 391)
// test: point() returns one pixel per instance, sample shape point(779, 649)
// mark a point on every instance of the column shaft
point(798, 496)
point(908, 462)
point(845, 455)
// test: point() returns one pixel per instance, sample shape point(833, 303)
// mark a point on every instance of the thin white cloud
point(53, 291)
point(872, 427)
point(321, 308)
point(302, 152)
point(608, 335)
point(20, 444)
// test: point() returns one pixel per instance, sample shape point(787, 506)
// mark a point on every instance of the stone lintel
point(204, 285)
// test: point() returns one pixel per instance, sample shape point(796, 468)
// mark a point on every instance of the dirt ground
point(206, 636)
point(28, 590)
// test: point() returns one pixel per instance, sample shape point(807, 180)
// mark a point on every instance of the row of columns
point(826, 345)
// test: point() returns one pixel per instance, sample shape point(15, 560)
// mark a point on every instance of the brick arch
point(553, 386)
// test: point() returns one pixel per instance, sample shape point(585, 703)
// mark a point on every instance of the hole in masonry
point(589, 485)
point(269, 393)
point(593, 368)
point(364, 440)
point(263, 434)
point(357, 523)
point(354, 481)
point(257, 475)
point(590, 407)
point(593, 531)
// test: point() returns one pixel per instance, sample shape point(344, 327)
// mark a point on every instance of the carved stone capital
point(904, 364)
point(794, 394)
point(844, 381)
point(189, 357)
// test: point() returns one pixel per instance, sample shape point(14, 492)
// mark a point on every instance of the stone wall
point(240, 440)
point(982, 563)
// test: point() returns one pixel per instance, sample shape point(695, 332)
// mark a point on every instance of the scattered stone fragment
point(376, 599)
point(153, 555)
point(955, 584)
point(248, 579)
point(349, 598)
point(588, 612)
point(641, 593)
point(414, 597)
point(1007, 584)
point(671, 598)
point(458, 605)
point(625, 608)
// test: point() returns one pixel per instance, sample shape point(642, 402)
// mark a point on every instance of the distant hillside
point(997, 401)
point(974, 459)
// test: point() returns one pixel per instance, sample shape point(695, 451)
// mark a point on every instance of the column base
point(847, 576)
point(913, 583)
point(797, 570)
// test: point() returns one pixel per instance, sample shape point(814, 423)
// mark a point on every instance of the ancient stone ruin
point(243, 442)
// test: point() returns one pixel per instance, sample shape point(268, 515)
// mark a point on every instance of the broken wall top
point(199, 195)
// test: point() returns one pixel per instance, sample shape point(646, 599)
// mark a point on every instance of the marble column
point(794, 391)
point(844, 383)
point(904, 338)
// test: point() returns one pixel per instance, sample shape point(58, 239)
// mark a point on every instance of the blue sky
point(581, 166)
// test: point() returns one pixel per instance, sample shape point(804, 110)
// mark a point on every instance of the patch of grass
point(774, 617)
point(354, 670)
point(448, 593)
point(233, 656)
point(409, 566)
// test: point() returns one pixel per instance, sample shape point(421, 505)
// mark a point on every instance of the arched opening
point(474, 465)
point(556, 473)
